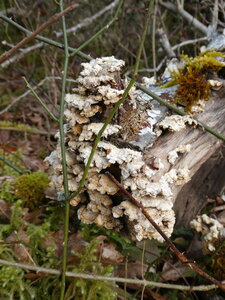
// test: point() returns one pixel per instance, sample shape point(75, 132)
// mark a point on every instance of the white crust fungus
point(209, 227)
point(176, 122)
point(99, 86)
point(173, 155)
point(91, 130)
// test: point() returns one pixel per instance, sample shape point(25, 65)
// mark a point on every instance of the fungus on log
point(149, 149)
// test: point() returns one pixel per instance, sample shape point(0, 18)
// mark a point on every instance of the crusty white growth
point(209, 227)
point(73, 117)
point(173, 155)
point(141, 227)
point(215, 84)
point(117, 155)
point(176, 122)
point(109, 94)
point(90, 131)
point(98, 211)
point(101, 183)
point(87, 107)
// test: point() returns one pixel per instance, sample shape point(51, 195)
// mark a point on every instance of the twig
point(215, 14)
point(63, 156)
point(157, 68)
point(40, 101)
point(188, 42)
point(89, 20)
point(19, 56)
point(44, 39)
point(30, 37)
point(154, 3)
point(178, 254)
point(8, 163)
point(115, 109)
point(100, 31)
point(107, 278)
point(25, 129)
point(165, 42)
point(29, 91)
point(197, 24)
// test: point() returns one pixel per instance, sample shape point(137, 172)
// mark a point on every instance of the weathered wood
point(207, 182)
point(189, 199)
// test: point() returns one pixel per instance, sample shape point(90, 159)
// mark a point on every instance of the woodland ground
point(31, 216)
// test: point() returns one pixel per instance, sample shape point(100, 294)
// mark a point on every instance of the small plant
point(192, 78)
point(30, 188)
point(91, 289)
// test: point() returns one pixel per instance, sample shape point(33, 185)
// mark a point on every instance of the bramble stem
point(40, 101)
point(63, 155)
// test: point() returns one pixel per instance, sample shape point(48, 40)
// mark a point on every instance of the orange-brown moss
point(192, 78)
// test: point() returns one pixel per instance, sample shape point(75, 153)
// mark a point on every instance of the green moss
point(14, 158)
point(193, 78)
point(91, 289)
point(30, 188)
point(12, 285)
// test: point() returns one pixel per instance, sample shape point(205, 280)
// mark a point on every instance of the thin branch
point(188, 42)
point(154, 3)
point(215, 14)
point(165, 42)
point(100, 31)
point(20, 55)
point(157, 68)
point(24, 128)
point(30, 37)
point(178, 254)
point(193, 21)
point(115, 109)
point(44, 39)
point(29, 91)
point(107, 278)
point(63, 156)
point(89, 20)
point(40, 101)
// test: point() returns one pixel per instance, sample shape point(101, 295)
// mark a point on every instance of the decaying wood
point(207, 182)
point(189, 199)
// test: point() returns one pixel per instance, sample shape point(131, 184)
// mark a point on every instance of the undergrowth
point(36, 241)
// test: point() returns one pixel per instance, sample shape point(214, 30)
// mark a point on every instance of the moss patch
point(193, 78)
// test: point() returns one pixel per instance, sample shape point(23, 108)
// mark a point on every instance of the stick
point(178, 254)
point(30, 37)
point(113, 279)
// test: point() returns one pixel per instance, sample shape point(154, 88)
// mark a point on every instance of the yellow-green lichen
point(30, 188)
point(192, 79)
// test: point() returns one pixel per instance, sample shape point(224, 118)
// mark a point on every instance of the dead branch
point(20, 55)
point(197, 24)
point(165, 42)
point(30, 37)
point(89, 20)
point(114, 279)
